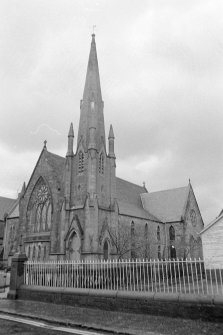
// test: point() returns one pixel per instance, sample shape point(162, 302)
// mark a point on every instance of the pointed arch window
point(146, 241)
point(133, 251)
point(101, 163)
point(39, 253)
point(172, 233)
point(158, 233)
point(34, 252)
point(80, 162)
point(48, 219)
point(159, 253)
point(44, 252)
point(39, 212)
point(38, 217)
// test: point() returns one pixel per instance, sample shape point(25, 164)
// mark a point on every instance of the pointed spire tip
point(71, 130)
point(111, 132)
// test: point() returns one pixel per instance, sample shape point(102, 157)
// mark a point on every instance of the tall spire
point(92, 102)
point(92, 82)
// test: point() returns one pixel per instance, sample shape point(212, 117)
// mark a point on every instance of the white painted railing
point(168, 276)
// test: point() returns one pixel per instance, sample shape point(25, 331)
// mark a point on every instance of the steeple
point(92, 82)
point(92, 103)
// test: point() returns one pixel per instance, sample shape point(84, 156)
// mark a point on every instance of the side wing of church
point(76, 208)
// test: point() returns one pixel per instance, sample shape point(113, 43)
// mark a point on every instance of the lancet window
point(39, 212)
point(146, 240)
point(159, 253)
point(158, 233)
point(34, 252)
point(101, 163)
point(80, 162)
point(133, 249)
point(172, 233)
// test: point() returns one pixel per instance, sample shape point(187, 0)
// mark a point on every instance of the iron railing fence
point(168, 276)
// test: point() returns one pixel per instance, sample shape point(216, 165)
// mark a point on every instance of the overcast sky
point(161, 69)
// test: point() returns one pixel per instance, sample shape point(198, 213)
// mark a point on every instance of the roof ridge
point(169, 189)
point(130, 182)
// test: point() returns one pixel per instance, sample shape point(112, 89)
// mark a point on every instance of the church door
point(172, 252)
point(106, 251)
point(74, 247)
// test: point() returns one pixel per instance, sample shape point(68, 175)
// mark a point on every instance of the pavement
point(106, 321)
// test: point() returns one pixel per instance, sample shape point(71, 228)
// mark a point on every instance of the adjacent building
point(5, 206)
point(212, 239)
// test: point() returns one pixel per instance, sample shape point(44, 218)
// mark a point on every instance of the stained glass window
point(38, 217)
point(44, 217)
point(49, 211)
point(39, 208)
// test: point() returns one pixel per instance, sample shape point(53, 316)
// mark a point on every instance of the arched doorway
point(105, 250)
point(172, 252)
point(74, 247)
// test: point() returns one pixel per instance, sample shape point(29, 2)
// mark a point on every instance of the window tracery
point(39, 213)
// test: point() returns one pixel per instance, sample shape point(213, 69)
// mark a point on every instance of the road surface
point(13, 325)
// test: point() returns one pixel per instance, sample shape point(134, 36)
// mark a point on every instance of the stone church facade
point(75, 207)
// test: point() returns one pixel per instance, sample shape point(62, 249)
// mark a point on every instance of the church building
point(75, 207)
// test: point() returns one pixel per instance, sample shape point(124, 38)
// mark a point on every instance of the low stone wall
point(174, 305)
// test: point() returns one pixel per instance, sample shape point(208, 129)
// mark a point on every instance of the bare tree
point(124, 242)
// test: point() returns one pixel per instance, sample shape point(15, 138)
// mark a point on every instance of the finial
point(144, 184)
point(189, 180)
point(111, 132)
point(45, 142)
point(71, 131)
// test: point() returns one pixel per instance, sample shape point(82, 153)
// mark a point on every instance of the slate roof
point(129, 192)
point(5, 206)
point(168, 205)
point(57, 162)
point(14, 210)
point(129, 200)
point(134, 200)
